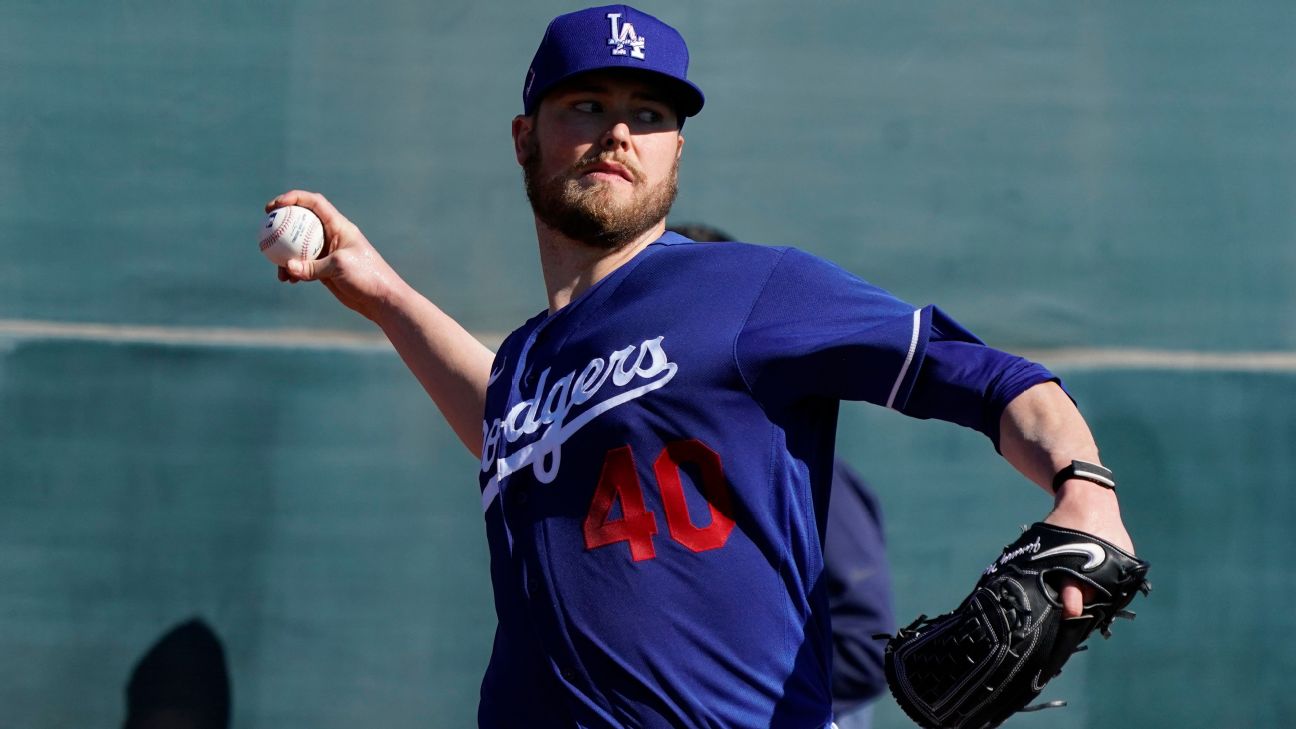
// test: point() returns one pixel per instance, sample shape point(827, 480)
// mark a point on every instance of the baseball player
point(656, 444)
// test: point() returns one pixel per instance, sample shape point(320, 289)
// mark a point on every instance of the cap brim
point(687, 96)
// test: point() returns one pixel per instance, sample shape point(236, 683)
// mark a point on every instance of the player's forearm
point(450, 363)
point(1041, 432)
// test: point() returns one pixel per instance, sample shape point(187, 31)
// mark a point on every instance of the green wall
point(1111, 175)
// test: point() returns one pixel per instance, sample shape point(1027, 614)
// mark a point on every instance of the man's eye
point(649, 116)
point(588, 107)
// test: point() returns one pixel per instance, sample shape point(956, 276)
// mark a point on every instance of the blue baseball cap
point(612, 36)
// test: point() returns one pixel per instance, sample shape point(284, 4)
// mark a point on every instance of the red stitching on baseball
point(283, 223)
point(306, 239)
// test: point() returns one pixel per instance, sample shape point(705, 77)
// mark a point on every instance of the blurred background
point(1107, 186)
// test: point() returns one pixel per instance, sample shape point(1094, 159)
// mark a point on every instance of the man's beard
point(592, 215)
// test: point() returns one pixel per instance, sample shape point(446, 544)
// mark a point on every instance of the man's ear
point(679, 148)
point(523, 129)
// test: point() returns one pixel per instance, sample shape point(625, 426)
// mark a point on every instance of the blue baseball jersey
point(655, 471)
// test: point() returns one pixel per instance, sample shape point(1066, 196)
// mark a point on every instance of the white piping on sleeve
point(904, 369)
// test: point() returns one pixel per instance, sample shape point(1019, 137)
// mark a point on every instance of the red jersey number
point(636, 524)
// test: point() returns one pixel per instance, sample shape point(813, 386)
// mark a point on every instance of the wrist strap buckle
point(1085, 471)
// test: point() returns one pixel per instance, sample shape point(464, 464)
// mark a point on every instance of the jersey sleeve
point(816, 330)
point(963, 381)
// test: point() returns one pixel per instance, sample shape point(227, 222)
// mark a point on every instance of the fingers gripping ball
point(977, 666)
point(291, 232)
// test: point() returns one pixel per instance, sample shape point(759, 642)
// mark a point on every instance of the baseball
point(291, 232)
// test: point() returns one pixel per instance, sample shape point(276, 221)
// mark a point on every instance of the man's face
point(600, 157)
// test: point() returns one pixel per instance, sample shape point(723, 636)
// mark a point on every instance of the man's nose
point(617, 136)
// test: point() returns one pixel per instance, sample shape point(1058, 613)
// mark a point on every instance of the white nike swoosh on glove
point(1095, 553)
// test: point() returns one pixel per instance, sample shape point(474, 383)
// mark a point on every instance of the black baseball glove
point(977, 666)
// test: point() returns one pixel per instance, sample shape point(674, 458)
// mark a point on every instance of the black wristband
point(1085, 471)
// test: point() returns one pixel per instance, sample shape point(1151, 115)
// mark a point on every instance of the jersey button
point(533, 585)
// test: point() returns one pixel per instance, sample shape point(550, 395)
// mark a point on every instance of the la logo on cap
point(623, 34)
